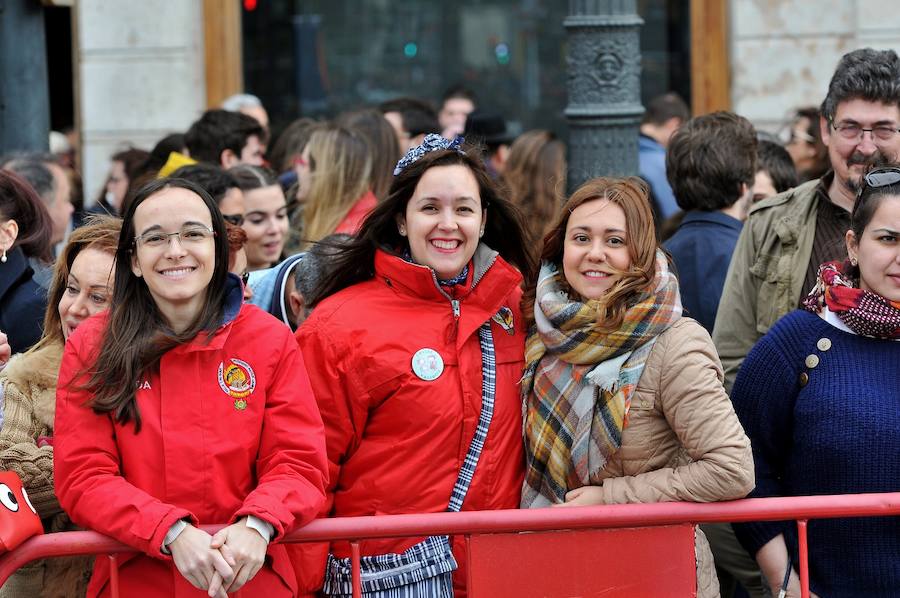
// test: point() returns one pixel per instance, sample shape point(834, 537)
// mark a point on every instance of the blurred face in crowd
point(116, 185)
point(763, 186)
point(453, 114)
point(405, 140)
point(801, 146)
point(232, 205)
point(304, 167)
point(61, 209)
point(177, 269)
point(88, 288)
point(252, 152)
point(878, 251)
point(595, 252)
point(240, 269)
point(266, 225)
point(444, 219)
point(850, 157)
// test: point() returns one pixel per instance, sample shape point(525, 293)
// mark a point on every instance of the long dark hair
point(137, 335)
point(505, 231)
point(19, 202)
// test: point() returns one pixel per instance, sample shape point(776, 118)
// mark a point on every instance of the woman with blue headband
point(415, 349)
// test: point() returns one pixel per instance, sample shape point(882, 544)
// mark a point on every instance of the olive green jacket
point(765, 278)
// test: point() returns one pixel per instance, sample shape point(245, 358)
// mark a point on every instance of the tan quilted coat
point(29, 404)
point(683, 441)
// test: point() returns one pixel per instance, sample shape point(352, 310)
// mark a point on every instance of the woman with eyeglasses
point(184, 407)
point(803, 141)
point(819, 396)
point(265, 215)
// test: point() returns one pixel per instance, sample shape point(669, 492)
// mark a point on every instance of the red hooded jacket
point(208, 450)
point(395, 441)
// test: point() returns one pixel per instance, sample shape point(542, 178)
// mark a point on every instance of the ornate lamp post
point(604, 86)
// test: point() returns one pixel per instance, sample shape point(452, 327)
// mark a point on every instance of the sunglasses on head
point(882, 177)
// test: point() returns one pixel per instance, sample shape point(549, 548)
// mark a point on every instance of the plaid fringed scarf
point(576, 401)
point(864, 312)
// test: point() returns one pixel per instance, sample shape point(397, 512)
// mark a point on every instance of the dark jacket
point(22, 302)
point(701, 250)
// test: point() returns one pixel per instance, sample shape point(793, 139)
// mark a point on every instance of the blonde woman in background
point(335, 170)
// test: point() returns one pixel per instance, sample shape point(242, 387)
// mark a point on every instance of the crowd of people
point(401, 311)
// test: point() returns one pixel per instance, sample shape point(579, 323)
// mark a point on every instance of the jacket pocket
point(765, 270)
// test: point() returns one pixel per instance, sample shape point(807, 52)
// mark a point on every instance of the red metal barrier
point(474, 523)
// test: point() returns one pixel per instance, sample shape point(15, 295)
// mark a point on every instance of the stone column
point(604, 86)
point(24, 94)
point(139, 68)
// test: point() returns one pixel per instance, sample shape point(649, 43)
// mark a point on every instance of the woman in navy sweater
point(819, 396)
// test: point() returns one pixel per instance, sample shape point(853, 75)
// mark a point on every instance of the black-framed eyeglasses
point(855, 132)
point(189, 235)
point(235, 219)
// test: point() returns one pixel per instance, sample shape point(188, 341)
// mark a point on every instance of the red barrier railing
point(472, 523)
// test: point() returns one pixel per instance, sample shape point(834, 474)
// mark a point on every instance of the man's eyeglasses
point(235, 219)
point(855, 132)
point(189, 235)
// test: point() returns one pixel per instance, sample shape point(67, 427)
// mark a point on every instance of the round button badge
point(427, 364)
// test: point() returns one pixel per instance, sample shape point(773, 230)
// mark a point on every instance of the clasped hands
point(220, 563)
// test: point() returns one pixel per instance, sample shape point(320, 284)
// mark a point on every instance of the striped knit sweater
point(826, 424)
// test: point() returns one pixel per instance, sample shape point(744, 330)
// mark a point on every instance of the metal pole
point(24, 97)
point(604, 86)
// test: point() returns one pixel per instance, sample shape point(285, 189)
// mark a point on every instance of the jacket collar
point(421, 281)
point(14, 270)
point(713, 217)
point(234, 299)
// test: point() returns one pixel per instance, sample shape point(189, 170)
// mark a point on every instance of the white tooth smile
point(177, 272)
point(445, 244)
point(595, 274)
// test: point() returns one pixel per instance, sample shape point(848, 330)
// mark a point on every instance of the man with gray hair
point(787, 237)
point(250, 105)
point(52, 184)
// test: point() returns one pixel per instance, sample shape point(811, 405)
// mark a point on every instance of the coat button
point(812, 361)
point(804, 379)
point(824, 344)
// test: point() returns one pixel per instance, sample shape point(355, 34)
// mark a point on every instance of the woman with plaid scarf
point(623, 395)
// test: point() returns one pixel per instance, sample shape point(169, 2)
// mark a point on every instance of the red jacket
point(357, 214)
point(395, 441)
point(207, 450)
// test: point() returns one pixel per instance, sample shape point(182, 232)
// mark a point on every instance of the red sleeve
point(334, 391)
point(342, 400)
point(88, 481)
point(290, 465)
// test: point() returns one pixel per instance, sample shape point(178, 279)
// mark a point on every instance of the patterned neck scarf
point(864, 312)
point(459, 279)
point(576, 401)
